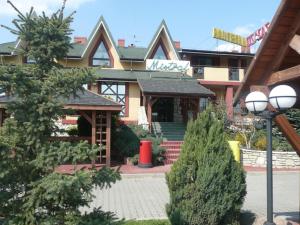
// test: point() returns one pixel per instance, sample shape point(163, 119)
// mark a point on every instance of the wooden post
point(108, 137)
point(93, 130)
point(149, 112)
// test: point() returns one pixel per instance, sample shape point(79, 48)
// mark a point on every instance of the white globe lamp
point(256, 102)
point(282, 97)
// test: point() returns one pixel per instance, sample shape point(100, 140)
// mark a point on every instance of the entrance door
point(163, 110)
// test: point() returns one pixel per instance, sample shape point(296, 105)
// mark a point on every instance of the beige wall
point(219, 74)
point(16, 60)
point(134, 102)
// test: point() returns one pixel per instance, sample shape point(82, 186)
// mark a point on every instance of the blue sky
point(189, 21)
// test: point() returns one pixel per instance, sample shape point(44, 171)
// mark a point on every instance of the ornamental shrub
point(32, 191)
point(207, 186)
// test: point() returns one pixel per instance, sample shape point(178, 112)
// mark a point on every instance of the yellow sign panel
point(230, 37)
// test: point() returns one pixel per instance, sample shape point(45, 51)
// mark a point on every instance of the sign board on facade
point(257, 35)
point(229, 37)
point(167, 65)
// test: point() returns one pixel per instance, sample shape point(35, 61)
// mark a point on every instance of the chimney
point(177, 44)
point(121, 43)
point(80, 40)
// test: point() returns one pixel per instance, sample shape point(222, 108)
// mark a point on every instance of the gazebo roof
point(83, 100)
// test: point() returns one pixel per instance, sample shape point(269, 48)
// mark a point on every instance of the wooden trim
point(160, 43)
point(126, 113)
point(67, 138)
point(221, 83)
point(170, 95)
point(98, 42)
point(91, 107)
point(284, 75)
point(93, 127)
point(108, 138)
point(86, 116)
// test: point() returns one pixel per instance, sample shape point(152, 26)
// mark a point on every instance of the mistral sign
point(167, 65)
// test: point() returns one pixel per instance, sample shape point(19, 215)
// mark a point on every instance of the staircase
point(172, 134)
point(172, 151)
point(169, 131)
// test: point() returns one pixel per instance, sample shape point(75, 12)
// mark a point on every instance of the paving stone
point(144, 196)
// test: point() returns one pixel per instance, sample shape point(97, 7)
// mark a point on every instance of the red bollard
point(145, 159)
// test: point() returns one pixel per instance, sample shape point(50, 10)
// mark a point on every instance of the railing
point(233, 74)
point(142, 118)
point(218, 73)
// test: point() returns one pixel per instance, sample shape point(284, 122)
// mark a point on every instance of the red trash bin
point(145, 159)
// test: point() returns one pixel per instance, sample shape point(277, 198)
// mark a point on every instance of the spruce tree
point(207, 186)
point(31, 191)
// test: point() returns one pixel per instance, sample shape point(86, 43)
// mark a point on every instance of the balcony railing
point(198, 72)
point(234, 74)
point(218, 73)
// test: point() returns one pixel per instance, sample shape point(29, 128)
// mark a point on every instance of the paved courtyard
point(144, 196)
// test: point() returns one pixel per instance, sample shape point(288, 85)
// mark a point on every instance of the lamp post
point(281, 98)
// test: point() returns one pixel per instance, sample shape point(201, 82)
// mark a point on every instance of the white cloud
point(245, 30)
point(47, 6)
point(228, 47)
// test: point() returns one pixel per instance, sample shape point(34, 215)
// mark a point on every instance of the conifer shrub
point(207, 186)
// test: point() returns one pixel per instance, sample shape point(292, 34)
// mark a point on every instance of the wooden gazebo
point(96, 109)
point(277, 61)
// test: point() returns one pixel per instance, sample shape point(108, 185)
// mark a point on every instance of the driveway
point(144, 196)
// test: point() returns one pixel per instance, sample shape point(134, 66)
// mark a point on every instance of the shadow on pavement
point(247, 218)
point(290, 216)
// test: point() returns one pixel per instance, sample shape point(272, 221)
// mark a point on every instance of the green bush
point(147, 222)
point(240, 138)
point(261, 143)
point(207, 186)
point(127, 142)
point(72, 131)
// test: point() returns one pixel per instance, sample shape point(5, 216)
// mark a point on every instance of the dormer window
point(160, 53)
point(101, 56)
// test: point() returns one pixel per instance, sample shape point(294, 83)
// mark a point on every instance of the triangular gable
point(156, 40)
point(95, 34)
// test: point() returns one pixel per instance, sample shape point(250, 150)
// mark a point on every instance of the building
point(277, 62)
point(221, 72)
point(161, 86)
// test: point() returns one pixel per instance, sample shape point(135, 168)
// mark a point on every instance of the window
point(160, 53)
point(115, 91)
point(101, 56)
point(203, 104)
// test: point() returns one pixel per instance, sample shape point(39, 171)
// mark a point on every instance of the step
point(169, 161)
point(172, 142)
point(171, 156)
point(173, 151)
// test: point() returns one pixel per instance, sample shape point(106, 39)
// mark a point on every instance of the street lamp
point(281, 98)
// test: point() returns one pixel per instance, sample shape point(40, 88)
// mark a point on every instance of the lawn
point(148, 222)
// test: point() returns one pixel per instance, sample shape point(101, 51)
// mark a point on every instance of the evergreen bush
point(207, 186)
point(32, 192)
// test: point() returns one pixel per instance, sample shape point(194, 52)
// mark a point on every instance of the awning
point(174, 87)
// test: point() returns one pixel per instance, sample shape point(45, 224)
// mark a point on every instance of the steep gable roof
point(162, 28)
point(100, 24)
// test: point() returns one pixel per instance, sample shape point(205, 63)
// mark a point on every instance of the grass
point(147, 222)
